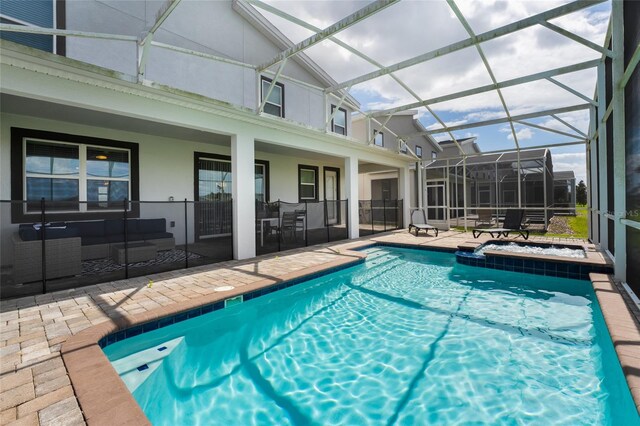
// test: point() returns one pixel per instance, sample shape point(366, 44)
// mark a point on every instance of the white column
point(420, 185)
point(244, 196)
point(351, 184)
point(404, 189)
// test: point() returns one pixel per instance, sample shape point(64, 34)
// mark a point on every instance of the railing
point(85, 243)
point(377, 216)
point(282, 226)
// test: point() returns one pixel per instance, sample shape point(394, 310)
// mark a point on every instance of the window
point(419, 151)
point(67, 173)
point(378, 138)
point(41, 13)
point(307, 183)
point(434, 155)
point(339, 122)
point(77, 176)
point(403, 146)
point(214, 178)
point(275, 103)
point(262, 181)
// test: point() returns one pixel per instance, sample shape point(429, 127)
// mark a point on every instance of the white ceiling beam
point(66, 33)
point(577, 38)
point(343, 24)
point(506, 120)
point(481, 38)
point(571, 90)
point(163, 13)
point(483, 89)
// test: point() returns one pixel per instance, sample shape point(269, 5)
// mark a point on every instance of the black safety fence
point(377, 216)
point(47, 246)
point(283, 226)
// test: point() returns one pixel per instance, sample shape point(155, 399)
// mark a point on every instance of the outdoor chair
point(512, 223)
point(290, 225)
point(484, 217)
point(419, 221)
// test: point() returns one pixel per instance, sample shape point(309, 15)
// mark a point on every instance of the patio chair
point(290, 225)
point(512, 223)
point(419, 221)
point(484, 217)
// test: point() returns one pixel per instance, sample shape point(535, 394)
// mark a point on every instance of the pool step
point(138, 367)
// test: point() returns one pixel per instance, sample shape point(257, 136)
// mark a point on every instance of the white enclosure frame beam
point(65, 33)
point(361, 55)
point(577, 38)
point(500, 85)
point(619, 160)
point(549, 129)
point(354, 18)
point(571, 90)
point(481, 38)
point(505, 119)
point(472, 34)
point(633, 63)
point(602, 158)
point(144, 45)
point(574, 128)
point(274, 80)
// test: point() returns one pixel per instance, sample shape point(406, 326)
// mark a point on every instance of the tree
point(581, 193)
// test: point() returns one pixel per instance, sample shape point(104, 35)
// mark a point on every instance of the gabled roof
point(565, 174)
point(272, 33)
point(464, 141)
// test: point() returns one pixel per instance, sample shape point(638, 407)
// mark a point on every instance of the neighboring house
point(374, 182)
point(492, 184)
point(193, 120)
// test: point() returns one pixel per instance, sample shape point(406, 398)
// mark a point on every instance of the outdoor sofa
point(69, 243)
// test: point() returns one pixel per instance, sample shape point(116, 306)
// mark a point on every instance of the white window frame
point(333, 120)
point(268, 81)
point(315, 187)
point(375, 138)
point(419, 148)
point(82, 174)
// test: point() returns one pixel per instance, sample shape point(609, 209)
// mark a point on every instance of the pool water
point(533, 249)
point(409, 337)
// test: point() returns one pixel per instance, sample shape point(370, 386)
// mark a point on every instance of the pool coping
point(623, 327)
point(103, 396)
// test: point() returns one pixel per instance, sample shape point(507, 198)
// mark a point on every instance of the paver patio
point(34, 384)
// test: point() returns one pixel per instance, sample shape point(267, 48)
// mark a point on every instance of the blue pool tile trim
point(578, 271)
point(182, 316)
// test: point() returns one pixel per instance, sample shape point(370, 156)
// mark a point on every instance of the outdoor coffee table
point(138, 252)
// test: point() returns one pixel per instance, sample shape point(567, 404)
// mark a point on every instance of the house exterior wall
point(208, 27)
point(400, 125)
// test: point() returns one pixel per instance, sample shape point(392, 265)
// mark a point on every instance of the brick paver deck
point(35, 387)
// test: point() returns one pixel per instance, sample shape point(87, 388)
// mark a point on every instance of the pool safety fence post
point(384, 214)
point(326, 219)
point(306, 219)
point(231, 212)
point(373, 229)
point(126, 239)
point(347, 217)
point(186, 234)
point(43, 237)
point(279, 233)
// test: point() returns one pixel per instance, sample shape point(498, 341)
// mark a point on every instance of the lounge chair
point(512, 223)
point(419, 221)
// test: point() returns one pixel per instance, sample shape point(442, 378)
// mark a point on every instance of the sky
point(413, 27)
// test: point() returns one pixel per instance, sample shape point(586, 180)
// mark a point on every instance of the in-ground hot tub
point(572, 251)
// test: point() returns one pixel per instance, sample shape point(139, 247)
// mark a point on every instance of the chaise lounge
point(419, 221)
point(512, 223)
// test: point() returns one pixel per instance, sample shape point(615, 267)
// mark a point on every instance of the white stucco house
point(175, 108)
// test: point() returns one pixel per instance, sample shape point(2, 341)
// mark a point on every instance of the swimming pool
point(408, 337)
